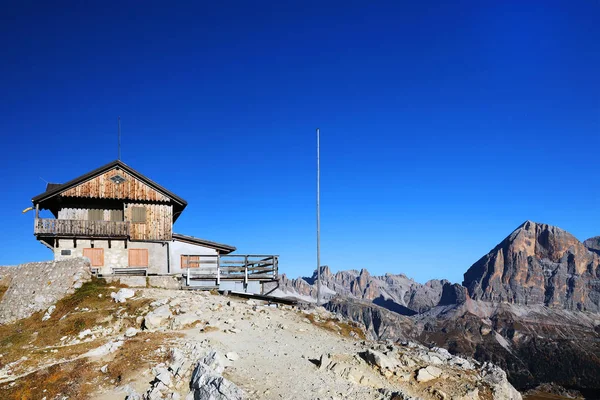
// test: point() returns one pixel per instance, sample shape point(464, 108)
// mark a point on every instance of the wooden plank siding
point(83, 214)
point(80, 214)
point(158, 225)
point(102, 187)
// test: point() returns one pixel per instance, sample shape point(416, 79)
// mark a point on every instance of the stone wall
point(36, 286)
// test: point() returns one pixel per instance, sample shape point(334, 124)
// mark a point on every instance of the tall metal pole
point(119, 143)
point(318, 217)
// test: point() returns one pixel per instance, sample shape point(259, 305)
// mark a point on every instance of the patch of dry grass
point(25, 337)
point(485, 393)
point(3, 290)
point(138, 353)
point(545, 396)
point(346, 329)
point(72, 379)
point(79, 378)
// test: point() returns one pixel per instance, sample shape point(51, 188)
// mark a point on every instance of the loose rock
point(131, 332)
point(428, 373)
point(122, 295)
point(157, 318)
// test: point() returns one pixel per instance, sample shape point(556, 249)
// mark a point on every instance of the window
point(190, 261)
point(95, 215)
point(138, 257)
point(138, 214)
point(65, 252)
point(95, 255)
point(118, 179)
point(116, 215)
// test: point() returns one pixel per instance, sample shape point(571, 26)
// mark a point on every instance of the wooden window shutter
point(138, 257)
point(116, 215)
point(95, 215)
point(138, 214)
point(190, 261)
point(95, 255)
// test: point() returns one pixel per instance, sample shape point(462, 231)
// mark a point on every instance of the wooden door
point(138, 258)
point(95, 255)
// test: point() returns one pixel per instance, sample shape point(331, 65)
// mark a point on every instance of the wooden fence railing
point(72, 227)
point(230, 266)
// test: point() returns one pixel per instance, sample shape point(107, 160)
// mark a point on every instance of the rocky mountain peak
point(364, 278)
point(538, 264)
point(593, 244)
point(325, 272)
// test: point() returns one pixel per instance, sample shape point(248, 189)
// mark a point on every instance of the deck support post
point(218, 270)
point(36, 220)
point(246, 270)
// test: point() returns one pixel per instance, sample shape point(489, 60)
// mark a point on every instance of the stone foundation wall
point(130, 281)
point(160, 282)
point(36, 286)
point(164, 282)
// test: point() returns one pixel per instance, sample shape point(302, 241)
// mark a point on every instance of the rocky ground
point(106, 342)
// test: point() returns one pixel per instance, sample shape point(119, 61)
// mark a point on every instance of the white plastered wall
point(117, 256)
point(182, 248)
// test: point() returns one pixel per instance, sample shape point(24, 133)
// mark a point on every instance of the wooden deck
point(73, 227)
point(241, 268)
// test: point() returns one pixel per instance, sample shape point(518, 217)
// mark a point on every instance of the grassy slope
point(88, 307)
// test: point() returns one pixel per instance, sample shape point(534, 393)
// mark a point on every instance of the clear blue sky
point(444, 125)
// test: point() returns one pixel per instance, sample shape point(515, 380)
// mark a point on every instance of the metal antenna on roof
point(119, 144)
point(318, 217)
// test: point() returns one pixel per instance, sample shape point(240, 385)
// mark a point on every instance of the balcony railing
point(230, 266)
point(73, 227)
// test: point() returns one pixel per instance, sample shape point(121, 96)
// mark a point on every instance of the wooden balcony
point(80, 228)
point(230, 267)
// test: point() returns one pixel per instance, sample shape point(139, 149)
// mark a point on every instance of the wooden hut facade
point(123, 222)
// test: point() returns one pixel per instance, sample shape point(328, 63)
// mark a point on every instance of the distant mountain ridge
point(399, 292)
point(536, 264)
point(530, 305)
